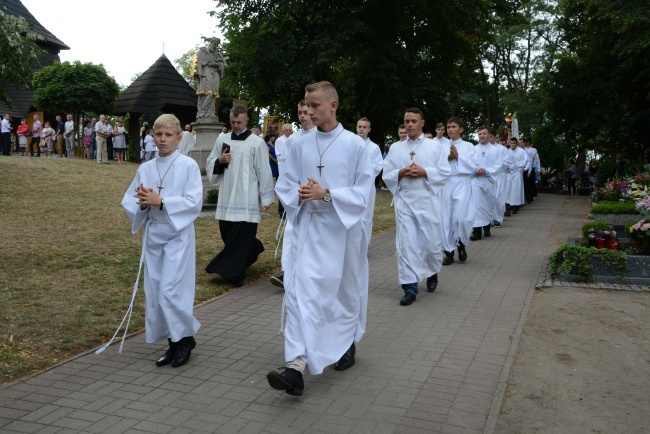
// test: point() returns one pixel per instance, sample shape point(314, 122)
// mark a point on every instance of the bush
point(603, 226)
point(614, 208)
point(577, 260)
point(213, 195)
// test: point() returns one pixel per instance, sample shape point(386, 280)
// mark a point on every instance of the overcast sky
point(127, 37)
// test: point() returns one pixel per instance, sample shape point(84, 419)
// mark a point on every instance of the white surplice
point(187, 143)
point(418, 213)
point(515, 194)
point(247, 183)
point(168, 244)
point(326, 278)
point(377, 165)
point(458, 201)
point(280, 153)
point(502, 182)
point(485, 186)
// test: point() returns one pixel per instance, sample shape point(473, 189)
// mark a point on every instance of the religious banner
point(274, 124)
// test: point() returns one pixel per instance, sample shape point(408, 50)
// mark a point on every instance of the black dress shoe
point(407, 299)
point(289, 380)
point(448, 259)
point(486, 231)
point(347, 360)
point(476, 234)
point(278, 280)
point(168, 357)
point(508, 214)
point(432, 283)
point(462, 254)
point(185, 347)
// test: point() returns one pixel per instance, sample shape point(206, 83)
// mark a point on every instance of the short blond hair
point(324, 86)
point(167, 121)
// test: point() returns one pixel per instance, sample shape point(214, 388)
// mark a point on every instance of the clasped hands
point(480, 172)
point(147, 197)
point(311, 191)
point(453, 153)
point(412, 171)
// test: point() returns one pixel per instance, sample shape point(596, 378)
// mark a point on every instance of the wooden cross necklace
point(320, 155)
point(160, 186)
point(412, 153)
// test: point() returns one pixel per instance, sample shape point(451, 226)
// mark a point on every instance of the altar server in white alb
point(239, 166)
point(458, 201)
point(363, 128)
point(484, 183)
point(501, 182)
point(280, 152)
point(165, 198)
point(515, 194)
point(440, 138)
point(415, 171)
point(325, 188)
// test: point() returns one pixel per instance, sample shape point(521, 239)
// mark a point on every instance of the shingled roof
point(159, 88)
point(15, 7)
point(21, 98)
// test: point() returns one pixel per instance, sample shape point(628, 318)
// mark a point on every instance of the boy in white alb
point(165, 198)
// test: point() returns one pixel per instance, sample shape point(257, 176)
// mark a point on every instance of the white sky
point(129, 35)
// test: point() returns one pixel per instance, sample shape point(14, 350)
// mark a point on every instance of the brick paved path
point(440, 365)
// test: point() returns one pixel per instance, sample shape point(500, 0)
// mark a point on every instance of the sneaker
point(278, 280)
point(288, 380)
point(497, 224)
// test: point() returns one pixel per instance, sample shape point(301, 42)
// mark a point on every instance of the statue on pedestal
point(208, 66)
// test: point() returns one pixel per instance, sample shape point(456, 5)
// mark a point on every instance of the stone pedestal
point(207, 131)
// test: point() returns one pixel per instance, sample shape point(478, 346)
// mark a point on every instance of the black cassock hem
point(240, 251)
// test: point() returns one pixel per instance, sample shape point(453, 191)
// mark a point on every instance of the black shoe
point(515, 210)
point(448, 259)
point(278, 280)
point(289, 380)
point(476, 234)
point(168, 357)
point(347, 360)
point(432, 283)
point(185, 347)
point(507, 214)
point(407, 299)
point(486, 231)
point(462, 254)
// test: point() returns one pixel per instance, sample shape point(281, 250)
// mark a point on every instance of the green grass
point(68, 260)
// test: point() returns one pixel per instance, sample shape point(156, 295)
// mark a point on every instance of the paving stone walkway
point(440, 365)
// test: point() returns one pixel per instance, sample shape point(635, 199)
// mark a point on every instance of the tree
point(74, 88)
point(183, 65)
point(599, 92)
point(19, 53)
point(381, 63)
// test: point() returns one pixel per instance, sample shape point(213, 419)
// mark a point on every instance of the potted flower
point(213, 196)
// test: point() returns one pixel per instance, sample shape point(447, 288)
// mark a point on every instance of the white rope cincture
point(279, 234)
point(129, 311)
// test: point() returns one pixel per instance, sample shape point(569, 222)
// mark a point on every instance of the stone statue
point(208, 69)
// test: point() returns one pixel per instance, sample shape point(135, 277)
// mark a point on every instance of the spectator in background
point(149, 147)
point(573, 177)
point(101, 133)
point(109, 140)
point(60, 131)
point(256, 131)
point(6, 135)
point(119, 141)
point(88, 139)
point(69, 137)
point(621, 165)
point(93, 150)
point(593, 172)
point(23, 128)
point(273, 159)
point(47, 139)
point(37, 127)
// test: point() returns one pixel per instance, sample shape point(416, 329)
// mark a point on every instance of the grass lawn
point(68, 260)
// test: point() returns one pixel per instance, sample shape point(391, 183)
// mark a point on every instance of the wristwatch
point(328, 196)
